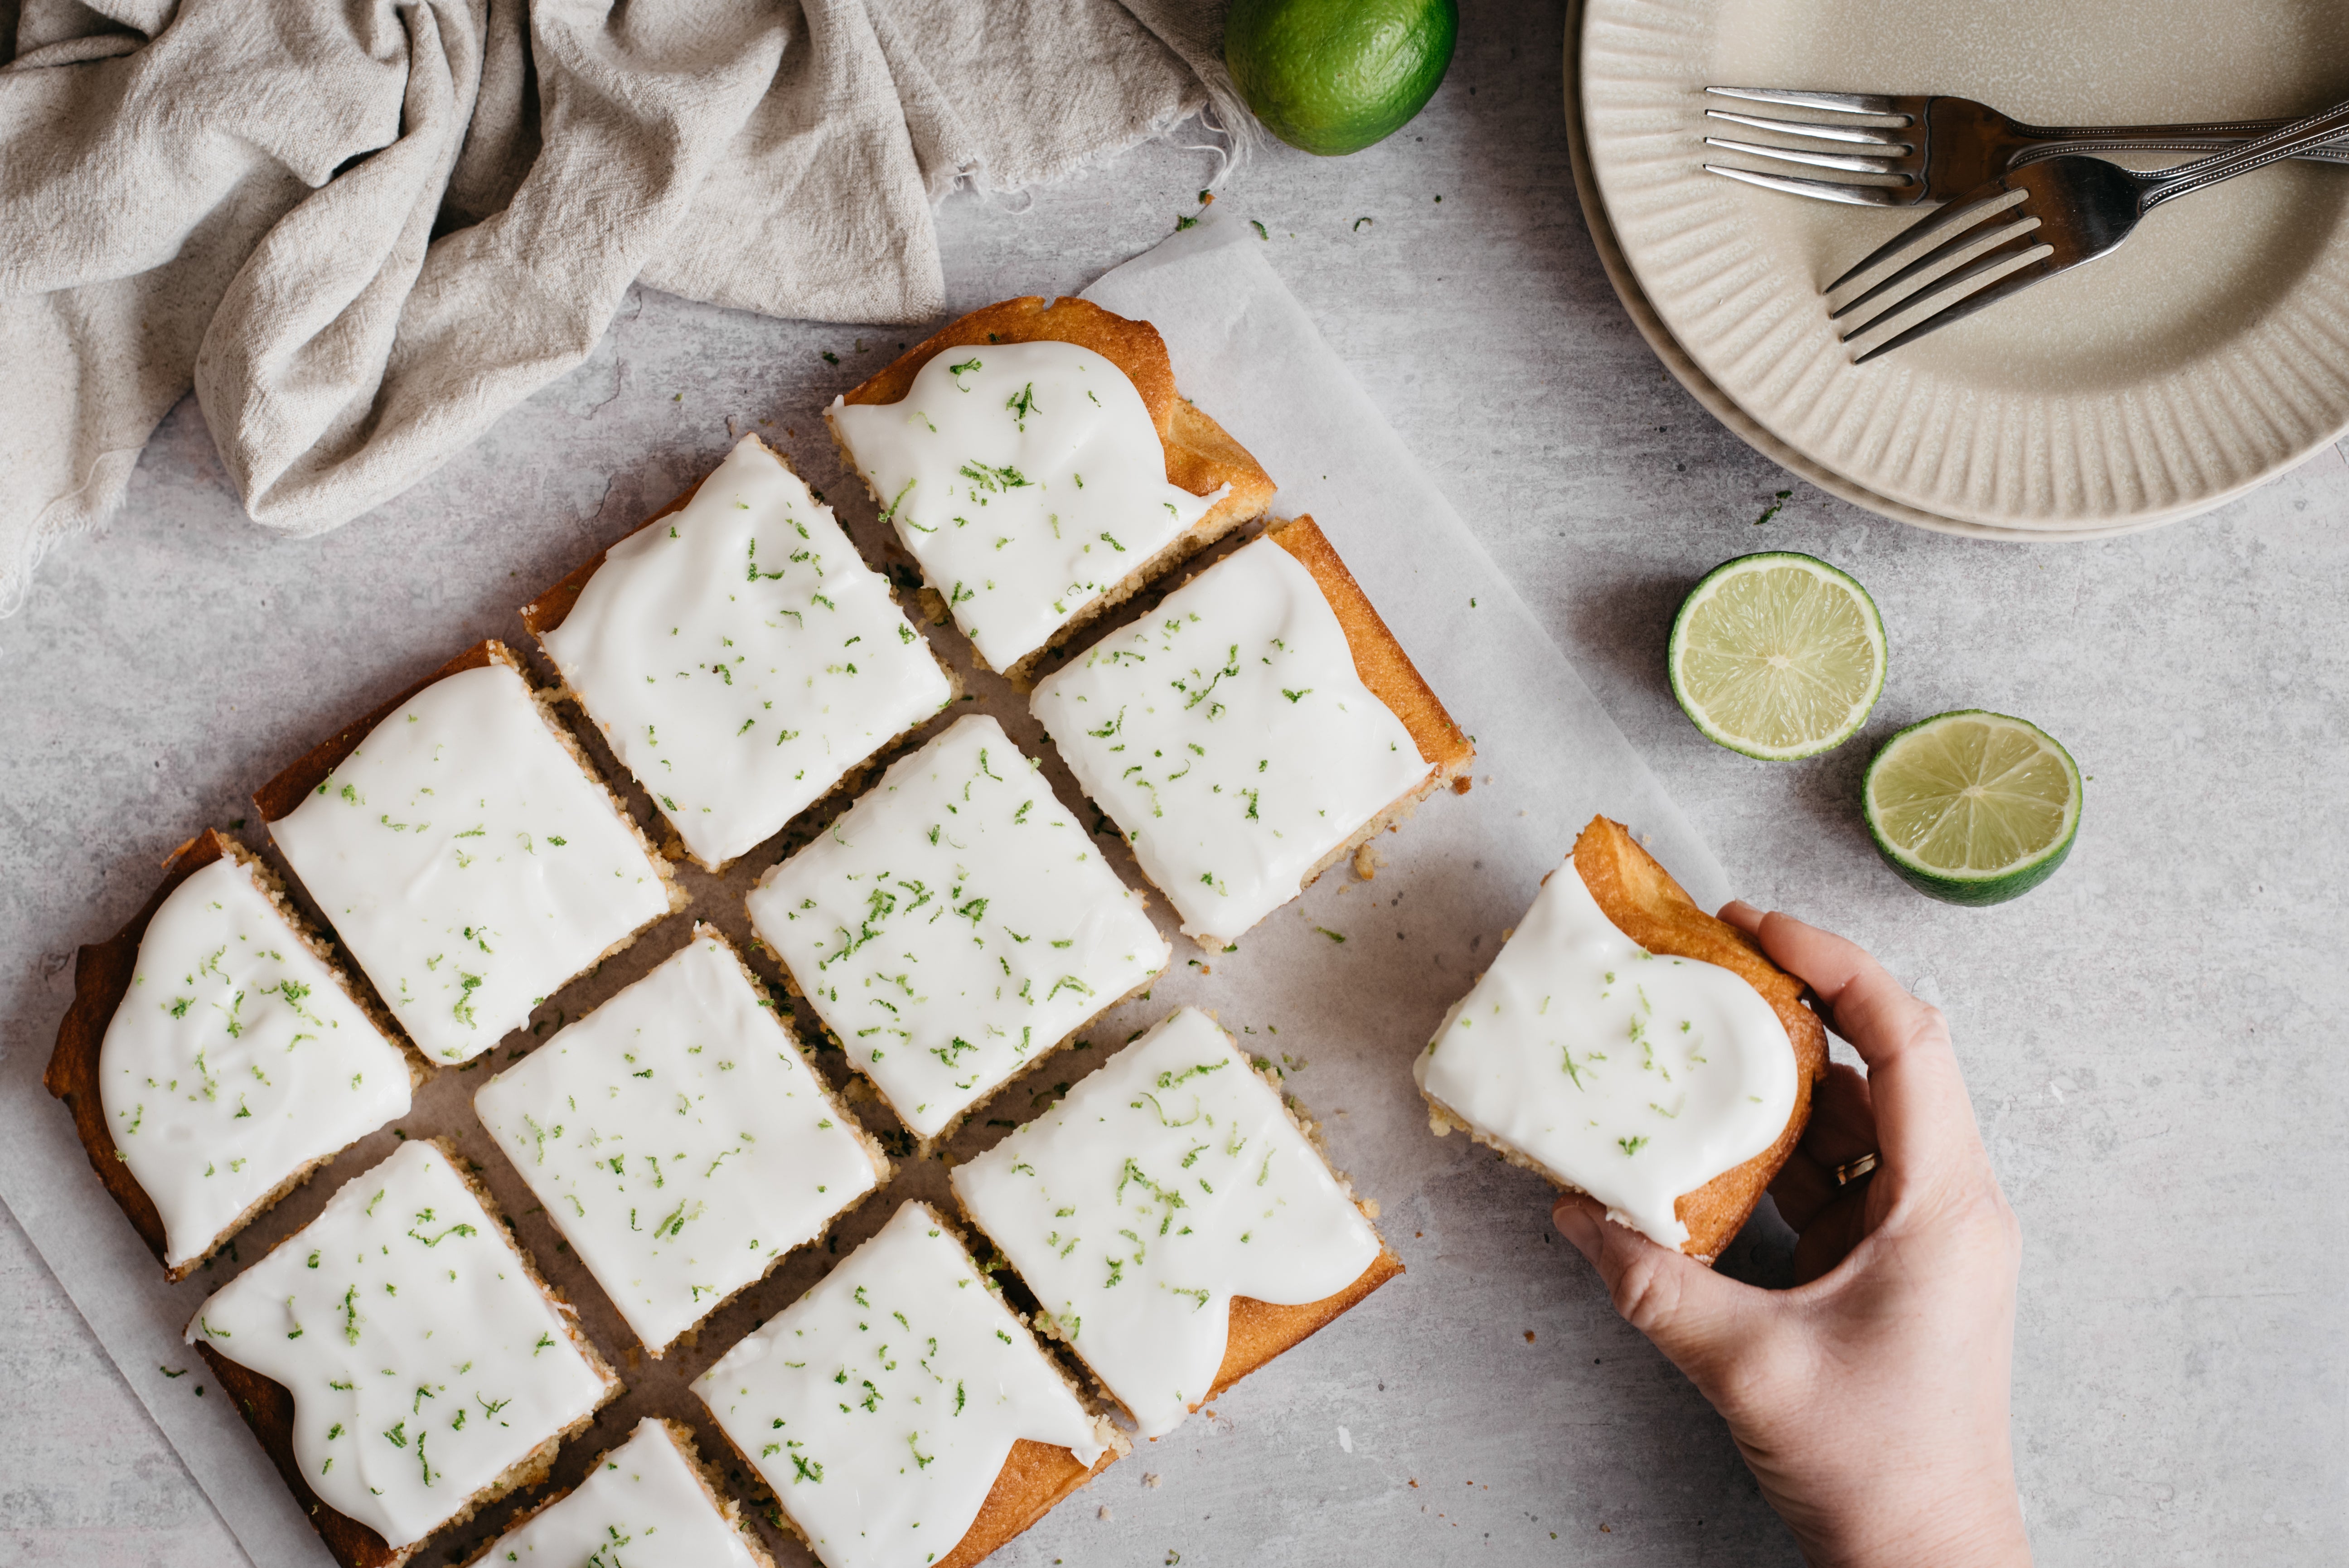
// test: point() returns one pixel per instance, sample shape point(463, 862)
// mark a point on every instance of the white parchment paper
point(1342, 988)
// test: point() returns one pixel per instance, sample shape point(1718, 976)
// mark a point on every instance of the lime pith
point(1777, 655)
point(1973, 807)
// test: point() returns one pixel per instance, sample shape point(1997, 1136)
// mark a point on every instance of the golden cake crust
point(1379, 659)
point(1648, 906)
point(1033, 1481)
point(1261, 1330)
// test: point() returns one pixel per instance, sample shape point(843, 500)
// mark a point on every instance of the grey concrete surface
point(2153, 1040)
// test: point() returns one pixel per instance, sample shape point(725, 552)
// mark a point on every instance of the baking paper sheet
point(1344, 986)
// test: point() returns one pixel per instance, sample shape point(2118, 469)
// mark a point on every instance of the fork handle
point(2227, 130)
point(2056, 140)
point(2316, 130)
point(2329, 154)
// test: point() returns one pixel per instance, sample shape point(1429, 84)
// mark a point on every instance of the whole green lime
point(1332, 76)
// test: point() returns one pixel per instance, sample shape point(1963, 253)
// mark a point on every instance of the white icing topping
point(1026, 479)
point(955, 924)
point(1161, 1186)
point(741, 658)
point(642, 1506)
point(880, 1406)
point(1635, 1078)
point(678, 1139)
point(468, 861)
point(1229, 736)
point(422, 1360)
point(236, 1060)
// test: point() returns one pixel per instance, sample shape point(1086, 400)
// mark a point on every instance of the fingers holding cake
point(1924, 1122)
point(1712, 1327)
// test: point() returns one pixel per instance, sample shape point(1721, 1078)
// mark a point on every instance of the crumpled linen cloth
point(363, 230)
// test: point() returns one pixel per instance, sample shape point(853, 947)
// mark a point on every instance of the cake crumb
point(1461, 785)
point(1104, 1513)
point(1367, 861)
point(1151, 1480)
point(1529, 1336)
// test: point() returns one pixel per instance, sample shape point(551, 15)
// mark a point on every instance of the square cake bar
point(901, 1412)
point(465, 853)
point(400, 1359)
point(1038, 464)
point(679, 1140)
point(1252, 730)
point(649, 1503)
point(1178, 1227)
point(738, 654)
point(215, 1055)
point(955, 926)
point(1625, 1044)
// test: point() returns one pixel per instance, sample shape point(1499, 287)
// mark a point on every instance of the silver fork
point(1937, 147)
point(2055, 214)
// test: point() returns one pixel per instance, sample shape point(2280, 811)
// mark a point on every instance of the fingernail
point(1575, 1223)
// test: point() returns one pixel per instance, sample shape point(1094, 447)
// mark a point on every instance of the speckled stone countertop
point(2154, 1041)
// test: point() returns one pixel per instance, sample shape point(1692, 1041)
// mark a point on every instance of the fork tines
point(1873, 149)
point(1838, 103)
point(1949, 261)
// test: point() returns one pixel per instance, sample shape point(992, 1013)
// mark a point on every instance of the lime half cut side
point(1777, 655)
point(1973, 807)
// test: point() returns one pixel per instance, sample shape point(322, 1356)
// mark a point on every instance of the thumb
point(1699, 1320)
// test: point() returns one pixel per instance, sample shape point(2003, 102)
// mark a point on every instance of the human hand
point(1870, 1400)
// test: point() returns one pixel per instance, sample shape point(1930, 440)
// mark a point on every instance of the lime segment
point(1777, 655)
point(1973, 807)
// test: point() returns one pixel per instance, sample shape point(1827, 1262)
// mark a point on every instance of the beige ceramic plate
point(2208, 354)
point(1700, 385)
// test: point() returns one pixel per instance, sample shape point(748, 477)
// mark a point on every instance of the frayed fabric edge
point(1231, 149)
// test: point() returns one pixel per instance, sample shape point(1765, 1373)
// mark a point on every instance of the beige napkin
point(364, 231)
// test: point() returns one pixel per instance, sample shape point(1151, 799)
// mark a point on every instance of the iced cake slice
point(400, 1359)
point(649, 1503)
point(955, 926)
point(465, 854)
point(214, 1057)
point(1178, 1227)
point(1628, 1045)
point(678, 1139)
point(738, 654)
point(901, 1412)
point(1251, 730)
point(1038, 463)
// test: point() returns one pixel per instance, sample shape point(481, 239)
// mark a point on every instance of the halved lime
point(1777, 655)
point(1973, 807)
